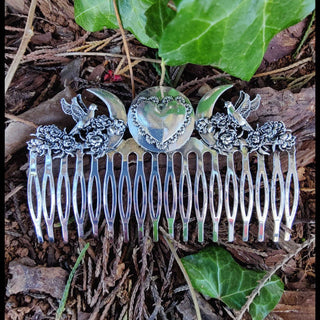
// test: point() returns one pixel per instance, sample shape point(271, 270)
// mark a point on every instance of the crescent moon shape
point(114, 104)
point(206, 104)
point(205, 110)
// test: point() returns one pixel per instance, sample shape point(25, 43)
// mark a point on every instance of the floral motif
point(226, 131)
point(286, 141)
point(227, 140)
point(97, 143)
point(254, 140)
point(38, 146)
point(271, 130)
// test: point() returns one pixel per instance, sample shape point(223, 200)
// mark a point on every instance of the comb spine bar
point(33, 178)
point(47, 175)
point(64, 214)
point(291, 174)
point(155, 177)
point(231, 216)
point(109, 176)
point(215, 175)
point(277, 214)
point(79, 176)
point(246, 175)
point(94, 177)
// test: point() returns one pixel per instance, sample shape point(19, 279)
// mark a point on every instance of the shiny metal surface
point(161, 121)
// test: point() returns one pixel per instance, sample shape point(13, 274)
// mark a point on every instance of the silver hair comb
point(161, 120)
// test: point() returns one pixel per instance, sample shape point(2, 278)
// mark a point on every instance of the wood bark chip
point(296, 305)
point(297, 111)
point(26, 278)
point(48, 112)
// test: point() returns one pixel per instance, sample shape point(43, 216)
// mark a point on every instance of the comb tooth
point(125, 216)
point(49, 219)
point(94, 177)
point(277, 214)
point(63, 214)
point(215, 175)
point(155, 177)
point(185, 176)
point(34, 179)
point(170, 176)
point(291, 174)
point(109, 177)
point(246, 175)
point(262, 216)
point(79, 177)
point(201, 214)
point(140, 177)
point(231, 217)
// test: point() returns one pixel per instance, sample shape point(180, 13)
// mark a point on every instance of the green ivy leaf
point(232, 35)
point(94, 15)
point(214, 273)
point(158, 16)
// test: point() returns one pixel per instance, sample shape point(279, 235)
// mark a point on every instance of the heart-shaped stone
point(161, 120)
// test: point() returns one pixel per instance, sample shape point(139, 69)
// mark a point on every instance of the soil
point(140, 279)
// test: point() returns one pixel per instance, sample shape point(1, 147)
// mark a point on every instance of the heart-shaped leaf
point(232, 35)
point(214, 273)
point(94, 15)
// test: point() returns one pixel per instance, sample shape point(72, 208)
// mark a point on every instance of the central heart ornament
point(161, 122)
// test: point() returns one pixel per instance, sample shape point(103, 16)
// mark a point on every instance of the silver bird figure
point(79, 112)
point(242, 108)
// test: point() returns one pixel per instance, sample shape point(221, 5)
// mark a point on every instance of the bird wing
point(77, 112)
point(66, 107)
point(81, 103)
point(243, 104)
point(253, 105)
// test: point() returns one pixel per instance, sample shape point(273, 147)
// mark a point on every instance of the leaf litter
point(135, 280)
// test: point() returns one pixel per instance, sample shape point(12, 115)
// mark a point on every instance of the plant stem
point(192, 292)
point(67, 288)
point(305, 36)
point(291, 66)
point(27, 35)
point(163, 72)
point(125, 44)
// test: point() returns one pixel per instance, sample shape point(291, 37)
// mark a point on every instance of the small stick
point(305, 36)
point(125, 44)
point(192, 292)
point(27, 35)
point(107, 54)
point(263, 281)
point(13, 192)
point(291, 66)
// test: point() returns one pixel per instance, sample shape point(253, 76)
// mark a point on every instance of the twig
point(13, 192)
point(106, 54)
point(266, 278)
point(27, 35)
point(18, 119)
point(291, 66)
point(163, 72)
point(202, 80)
point(67, 288)
point(125, 44)
point(192, 292)
point(305, 36)
point(178, 75)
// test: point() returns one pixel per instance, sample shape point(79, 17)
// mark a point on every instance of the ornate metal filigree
point(161, 120)
point(162, 142)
